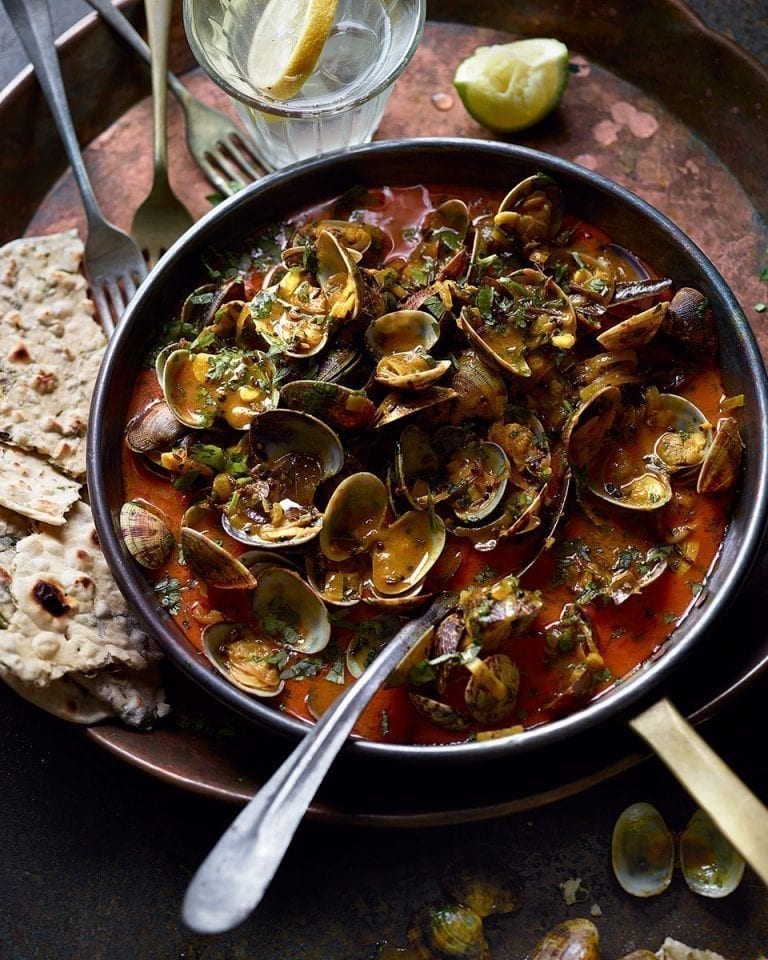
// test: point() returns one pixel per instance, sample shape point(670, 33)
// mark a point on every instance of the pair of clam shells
point(644, 854)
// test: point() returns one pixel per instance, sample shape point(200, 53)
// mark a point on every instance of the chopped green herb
point(168, 592)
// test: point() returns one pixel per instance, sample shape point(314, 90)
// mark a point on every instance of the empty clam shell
point(290, 611)
point(710, 865)
point(353, 516)
point(642, 851)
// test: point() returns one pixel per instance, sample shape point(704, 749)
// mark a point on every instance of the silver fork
point(113, 263)
point(162, 217)
point(217, 144)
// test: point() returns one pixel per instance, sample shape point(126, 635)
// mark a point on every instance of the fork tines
point(231, 166)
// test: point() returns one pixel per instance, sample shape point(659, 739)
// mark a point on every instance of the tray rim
point(19, 86)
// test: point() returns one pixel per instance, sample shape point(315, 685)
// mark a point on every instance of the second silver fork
point(162, 217)
point(220, 148)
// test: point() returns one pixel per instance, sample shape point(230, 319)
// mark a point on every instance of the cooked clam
point(491, 692)
point(642, 851)
point(575, 939)
point(201, 536)
point(518, 316)
point(635, 331)
point(340, 407)
point(401, 331)
point(154, 428)
point(449, 931)
point(353, 517)
point(245, 658)
point(199, 387)
point(720, 465)
point(496, 611)
point(479, 389)
point(403, 552)
point(290, 612)
point(146, 532)
point(411, 370)
point(532, 211)
point(339, 277)
point(632, 449)
point(293, 453)
point(477, 476)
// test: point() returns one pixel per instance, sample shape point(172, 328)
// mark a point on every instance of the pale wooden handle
point(738, 813)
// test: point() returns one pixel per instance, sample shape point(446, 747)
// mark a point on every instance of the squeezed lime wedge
point(511, 86)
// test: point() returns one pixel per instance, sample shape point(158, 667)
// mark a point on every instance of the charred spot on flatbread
point(51, 598)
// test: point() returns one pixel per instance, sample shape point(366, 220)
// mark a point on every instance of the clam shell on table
point(574, 939)
point(448, 931)
point(710, 865)
point(642, 851)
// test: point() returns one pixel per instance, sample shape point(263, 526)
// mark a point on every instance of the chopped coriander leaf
point(168, 592)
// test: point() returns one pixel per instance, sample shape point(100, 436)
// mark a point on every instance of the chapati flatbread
point(70, 616)
point(63, 698)
point(32, 487)
point(137, 698)
point(50, 348)
point(13, 527)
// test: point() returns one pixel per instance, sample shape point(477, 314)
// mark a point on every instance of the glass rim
point(280, 108)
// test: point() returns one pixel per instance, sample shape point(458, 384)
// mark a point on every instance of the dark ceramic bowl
point(491, 166)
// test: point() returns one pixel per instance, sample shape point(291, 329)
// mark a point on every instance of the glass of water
point(342, 100)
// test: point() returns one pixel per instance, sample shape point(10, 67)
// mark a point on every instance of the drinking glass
point(342, 100)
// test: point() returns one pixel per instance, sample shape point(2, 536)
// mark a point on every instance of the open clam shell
point(404, 552)
point(642, 851)
point(353, 517)
point(290, 612)
point(245, 658)
point(400, 332)
point(201, 536)
point(710, 865)
point(199, 387)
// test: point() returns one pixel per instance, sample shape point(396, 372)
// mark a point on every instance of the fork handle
point(158, 32)
point(122, 25)
point(31, 20)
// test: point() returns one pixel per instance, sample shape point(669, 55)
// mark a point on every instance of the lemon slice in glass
point(511, 86)
point(287, 44)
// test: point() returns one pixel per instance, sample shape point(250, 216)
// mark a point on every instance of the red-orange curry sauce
point(626, 634)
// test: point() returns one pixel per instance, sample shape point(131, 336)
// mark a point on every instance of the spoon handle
point(235, 875)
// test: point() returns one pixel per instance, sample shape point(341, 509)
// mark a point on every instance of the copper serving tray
point(665, 117)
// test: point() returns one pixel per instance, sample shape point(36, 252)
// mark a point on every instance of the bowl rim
point(624, 698)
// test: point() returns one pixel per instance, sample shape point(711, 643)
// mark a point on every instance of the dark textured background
point(95, 856)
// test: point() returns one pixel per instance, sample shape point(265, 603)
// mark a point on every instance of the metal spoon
point(234, 877)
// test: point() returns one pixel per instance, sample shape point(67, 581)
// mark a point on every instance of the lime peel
point(287, 43)
point(511, 86)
